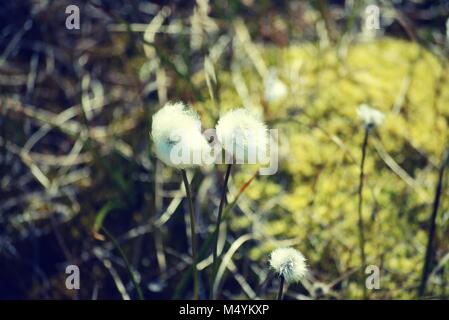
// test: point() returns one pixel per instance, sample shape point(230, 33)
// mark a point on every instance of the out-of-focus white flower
point(275, 89)
point(176, 131)
point(371, 117)
point(241, 133)
point(289, 263)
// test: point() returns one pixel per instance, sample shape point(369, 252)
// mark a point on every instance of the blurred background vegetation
point(75, 151)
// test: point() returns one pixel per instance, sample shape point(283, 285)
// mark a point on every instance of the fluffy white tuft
point(176, 131)
point(289, 263)
point(370, 117)
point(242, 135)
point(275, 89)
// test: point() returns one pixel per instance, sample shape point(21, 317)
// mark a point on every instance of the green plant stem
point(196, 283)
point(125, 260)
point(217, 228)
point(360, 216)
point(207, 244)
point(281, 288)
point(432, 228)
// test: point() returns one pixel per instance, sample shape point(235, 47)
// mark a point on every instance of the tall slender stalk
point(217, 228)
point(360, 216)
point(432, 228)
point(127, 264)
point(281, 288)
point(196, 280)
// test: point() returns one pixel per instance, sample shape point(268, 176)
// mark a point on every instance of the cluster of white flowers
point(289, 263)
point(370, 117)
point(179, 143)
point(177, 128)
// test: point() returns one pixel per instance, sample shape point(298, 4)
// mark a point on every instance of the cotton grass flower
point(179, 143)
point(241, 133)
point(275, 89)
point(290, 264)
point(370, 117)
point(176, 132)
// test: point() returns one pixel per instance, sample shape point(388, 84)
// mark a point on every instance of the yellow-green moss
point(317, 207)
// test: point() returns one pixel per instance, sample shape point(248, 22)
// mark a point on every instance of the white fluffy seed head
point(370, 117)
point(289, 263)
point(176, 131)
point(243, 135)
point(275, 89)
